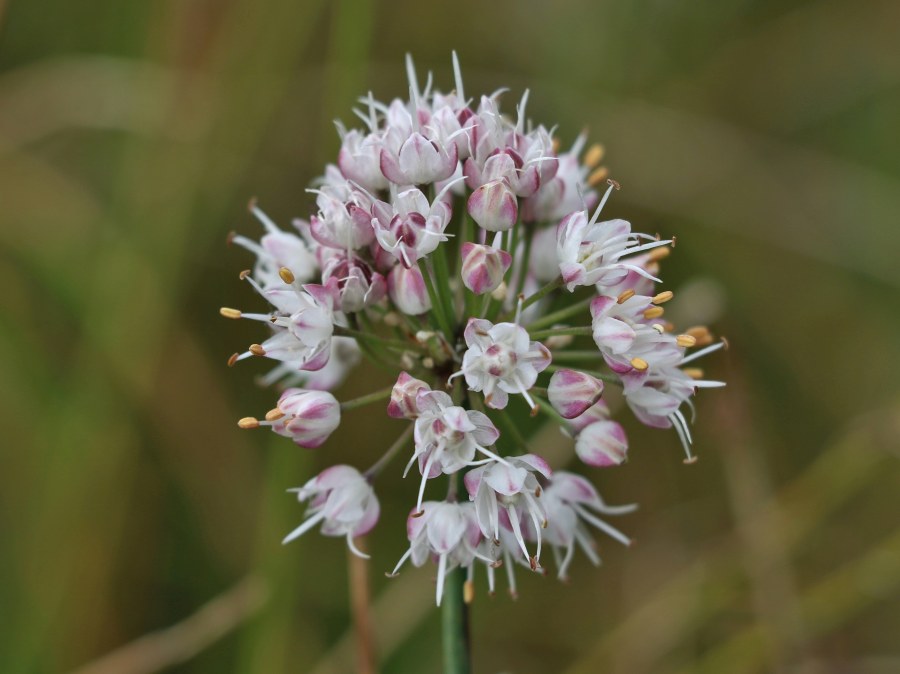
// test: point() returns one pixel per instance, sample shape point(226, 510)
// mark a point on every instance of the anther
point(535, 410)
point(232, 359)
point(690, 461)
point(654, 312)
point(418, 514)
point(229, 239)
point(639, 364)
point(594, 155)
point(701, 333)
point(468, 592)
point(659, 327)
point(614, 184)
point(686, 341)
point(244, 274)
point(534, 563)
point(555, 145)
point(625, 296)
point(286, 275)
point(693, 372)
point(229, 313)
point(274, 414)
point(659, 253)
point(251, 204)
point(598, 176)
point(537, 491)
point(248, 422)
point(257, 350)
point(663, 297)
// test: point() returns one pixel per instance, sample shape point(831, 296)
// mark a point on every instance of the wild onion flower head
point(454, 245)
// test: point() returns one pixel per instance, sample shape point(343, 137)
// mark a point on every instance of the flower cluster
point(461, 248)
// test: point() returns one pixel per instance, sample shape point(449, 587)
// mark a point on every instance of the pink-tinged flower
point(345, 355)
point(506, 493)
point(310, 417)
point(344, 220)
point(483, 267)
point(627, 339)
point(568, 191)
point(543, 263)
point(278, 249)
point(407, 290)
point(447, 532)
point(597, 412)
point(342, 501)
point(591, 252)
point(602, 444)
point(403, 403)
point(572, 392)
point(655, 396)
point(410, 228)
point(493, 206)
point(360, 160)
point(303, 324)
point(571, 503)
point(501, 359)
point(358, 285)
point(413, 159)
point(448, 437)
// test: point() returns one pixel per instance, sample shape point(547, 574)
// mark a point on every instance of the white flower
point(501, 359)
point(591, 252)
point(506, 493)
point(571, 501)
point(342, 501)
point(448, 437)
point(310, 417)
point(447, 531)
point(410, 228)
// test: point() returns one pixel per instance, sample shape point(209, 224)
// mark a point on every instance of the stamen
point(662, 297)
point(594, 155)
point(654, 312)
point(469, 589)
point(625, 296)
point(229, 313)
point(693, 372)
point(257, 350)
point(639, 364)
point(248, 422)
point(274, 414)
point(660, 254)
point(233, 358)
point(686, 341)
point(598, 176)
point(286, 275)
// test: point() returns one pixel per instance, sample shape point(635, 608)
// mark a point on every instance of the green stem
point(455, 624)
point(538, 295)
point(391, 452)
point(367, 399)
point(560, 332)
point(523, 268)
point(437, 308)
point(371, 338)
point(561, 315)
point(442, 285)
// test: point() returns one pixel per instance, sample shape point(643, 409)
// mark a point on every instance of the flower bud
point(310, 416)
point(602, 444)
point(494, 206)
point(572, 393)
point(407, 290)
point(483, 267)
point(403, 397)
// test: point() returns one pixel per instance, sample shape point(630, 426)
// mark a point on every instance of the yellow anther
point(248, 422)
point(686, 341)
point(663, 297)
point(229, 313)
point(274, 414)
point(625, 296)
point(257, 350)
point(594, 155)
point(639, 364)
point(660, 253)
point(286, 275)
point(555, 145)
point(654, 312)
point(468, 592)
point(244, 274)
point(693, 372)
point(598, 176)
point(700, 333)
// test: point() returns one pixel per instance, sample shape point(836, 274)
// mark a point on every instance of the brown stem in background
point(360, 596)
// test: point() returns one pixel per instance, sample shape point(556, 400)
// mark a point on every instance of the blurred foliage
point(132, 134)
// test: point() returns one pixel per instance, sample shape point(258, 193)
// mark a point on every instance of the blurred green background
point(132, 134)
